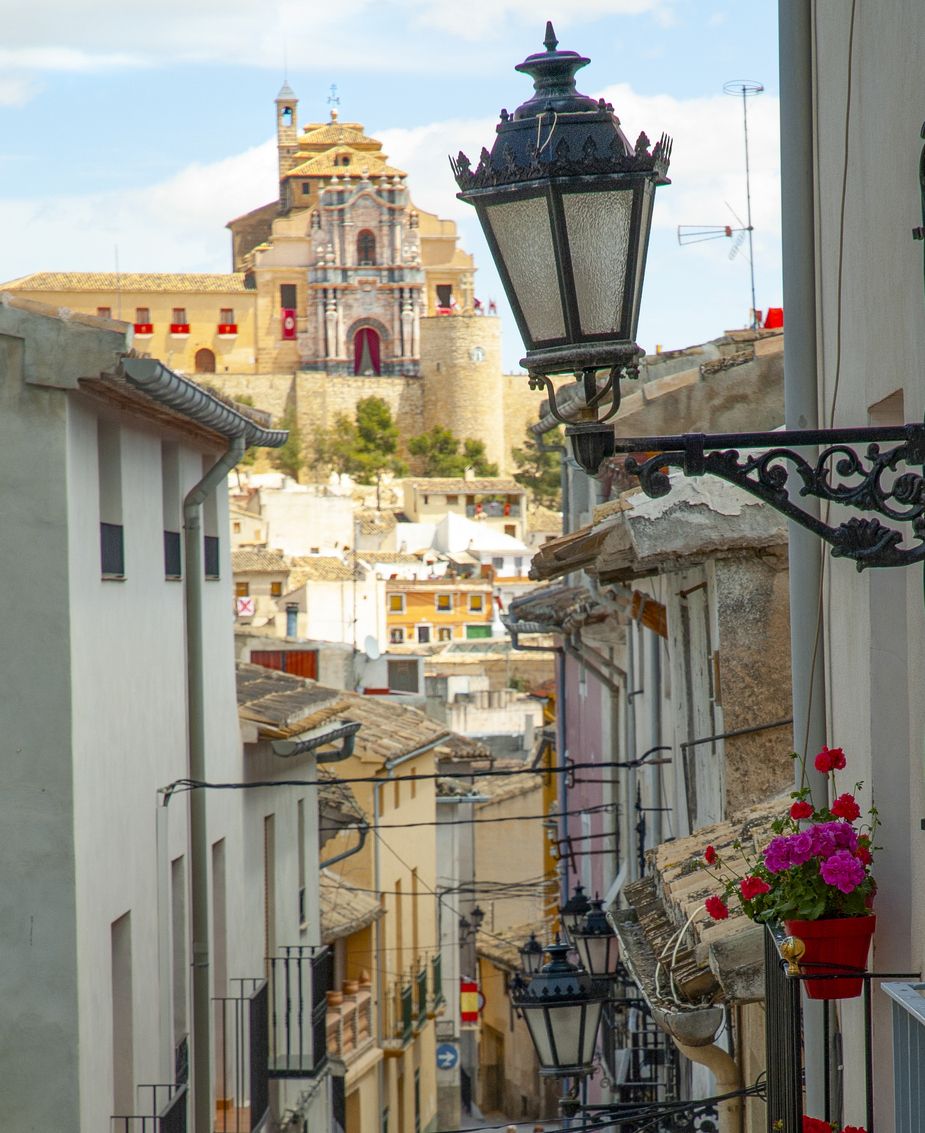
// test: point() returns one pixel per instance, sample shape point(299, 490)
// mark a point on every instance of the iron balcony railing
point(436, 980)
point(420, 981)
point(241, 1052)
point(299, 980)
point(783, 1034)
point(163, 1111)
point(407, 1013)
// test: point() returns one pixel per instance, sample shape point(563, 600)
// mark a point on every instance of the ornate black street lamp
point(573, 912)
point(596, 943)
point(565, 202)
point(531, 955)
point(561, 1006)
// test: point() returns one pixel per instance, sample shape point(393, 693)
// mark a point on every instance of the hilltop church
point(340, 289)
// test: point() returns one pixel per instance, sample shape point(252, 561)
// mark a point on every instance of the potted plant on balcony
point(814, 877)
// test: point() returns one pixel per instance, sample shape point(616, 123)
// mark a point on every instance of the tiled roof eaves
point(128, 282)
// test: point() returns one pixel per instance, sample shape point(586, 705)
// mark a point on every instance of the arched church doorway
point(366, 357)
point(205, 361)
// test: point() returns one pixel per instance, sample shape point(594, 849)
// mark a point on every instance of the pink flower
point(709, 855)
point(716, 907)
point(830, 759)
point(752, 887)
point(801, 809)
point(843, 871)
point(845, 806)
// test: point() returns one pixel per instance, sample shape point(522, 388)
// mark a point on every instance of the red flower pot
point(832, 946)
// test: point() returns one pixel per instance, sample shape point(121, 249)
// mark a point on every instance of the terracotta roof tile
point(254, 559)
point(344, 910)
point(322, 568)
point(462, 486)
point(126, 281)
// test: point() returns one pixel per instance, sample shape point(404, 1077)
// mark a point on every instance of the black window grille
point(173, 567)
point(210, 550)
point(112, 550)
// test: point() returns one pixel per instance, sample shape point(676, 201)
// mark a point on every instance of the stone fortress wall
point(461, 387)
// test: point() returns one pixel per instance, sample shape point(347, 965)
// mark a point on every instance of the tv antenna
point(696, 234)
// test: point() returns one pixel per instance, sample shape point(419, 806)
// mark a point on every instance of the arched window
point(205, 361)
point(366, 247)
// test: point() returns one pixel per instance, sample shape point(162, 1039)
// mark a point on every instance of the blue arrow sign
point(447, 1056)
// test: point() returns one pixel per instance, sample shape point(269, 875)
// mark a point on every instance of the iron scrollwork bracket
point(871, 481)
point(594, 394)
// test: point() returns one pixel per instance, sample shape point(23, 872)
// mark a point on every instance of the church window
point(179, 315)
point(287, 296)
point(286, 116)
point(226, 315)
point(366, 247)
point(104, 312)
point(142, 314)
point(366, 355)
point(444, 296)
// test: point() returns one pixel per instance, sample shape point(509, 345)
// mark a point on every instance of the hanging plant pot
point(835, 945)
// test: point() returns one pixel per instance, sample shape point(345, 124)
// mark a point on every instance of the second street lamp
point(565, 202)
point(531, 955)
point(573, 911)
point(596, 942)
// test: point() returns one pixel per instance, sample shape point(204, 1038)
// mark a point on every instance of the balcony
point(240, 1035)
point(144, 330)
point(436, 983)
point(163, 1110)
point(227, 330)
point(179, 330)
point(420, 982)
point(299, 979)
point(784, 1029)
point(494, 509)
point(349, 1021)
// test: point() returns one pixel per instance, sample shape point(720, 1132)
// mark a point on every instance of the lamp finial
point(550, 42)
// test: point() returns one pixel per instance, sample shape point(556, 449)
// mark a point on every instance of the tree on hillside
point(290, 457)
point(538, 469)
point(437, 453)
point(365, 447)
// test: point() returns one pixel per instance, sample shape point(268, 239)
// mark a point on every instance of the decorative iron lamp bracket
point(870, 481)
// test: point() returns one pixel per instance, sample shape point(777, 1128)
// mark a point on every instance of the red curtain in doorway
point(366, 352)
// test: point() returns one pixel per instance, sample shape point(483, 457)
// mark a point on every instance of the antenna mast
point(746, 89)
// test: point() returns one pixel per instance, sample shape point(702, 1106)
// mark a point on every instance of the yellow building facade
point(435, 610)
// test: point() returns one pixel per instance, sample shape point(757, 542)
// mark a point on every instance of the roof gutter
point(155, 380)
point(289, 749)
point(391, 764)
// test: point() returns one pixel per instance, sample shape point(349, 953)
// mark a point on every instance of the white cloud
point(67, 35)
point(16, 91)
point(175, 225)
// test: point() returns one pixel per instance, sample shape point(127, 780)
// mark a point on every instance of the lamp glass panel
point(598, 225)
point(648, 197)
point(524, 236)
point(566, 1025)
point(592, 1022)
point(535, 1018)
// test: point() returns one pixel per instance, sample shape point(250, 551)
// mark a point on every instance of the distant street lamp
point(531, 955)
point(573, 912)
point(561, 1006)
point(565, 202)
point(596, 943)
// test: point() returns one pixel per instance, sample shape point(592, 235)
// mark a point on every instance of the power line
point(476, 821)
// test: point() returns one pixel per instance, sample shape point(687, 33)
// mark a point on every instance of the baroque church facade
point(341, 289)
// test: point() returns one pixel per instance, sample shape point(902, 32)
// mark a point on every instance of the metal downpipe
point(201, 1060)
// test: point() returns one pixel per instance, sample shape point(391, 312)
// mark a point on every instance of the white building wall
point(872, 348)
point(300, 522)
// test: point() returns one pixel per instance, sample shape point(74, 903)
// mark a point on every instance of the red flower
point(815, 1125)
point(801, 809)
point(709, 855)
point(752, 887)
point(716, 907)
point(830, 759)
point(853, 1129)
point(845, 806)
point(863, 855)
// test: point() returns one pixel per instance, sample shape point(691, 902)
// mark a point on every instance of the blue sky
point(138, 133)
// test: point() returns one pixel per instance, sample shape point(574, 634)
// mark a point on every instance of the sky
point(129, 136)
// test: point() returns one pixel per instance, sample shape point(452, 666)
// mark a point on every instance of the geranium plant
point(817, 865)
point(817, 1125)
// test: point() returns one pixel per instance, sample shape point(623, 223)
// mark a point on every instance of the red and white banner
point(288, 323)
